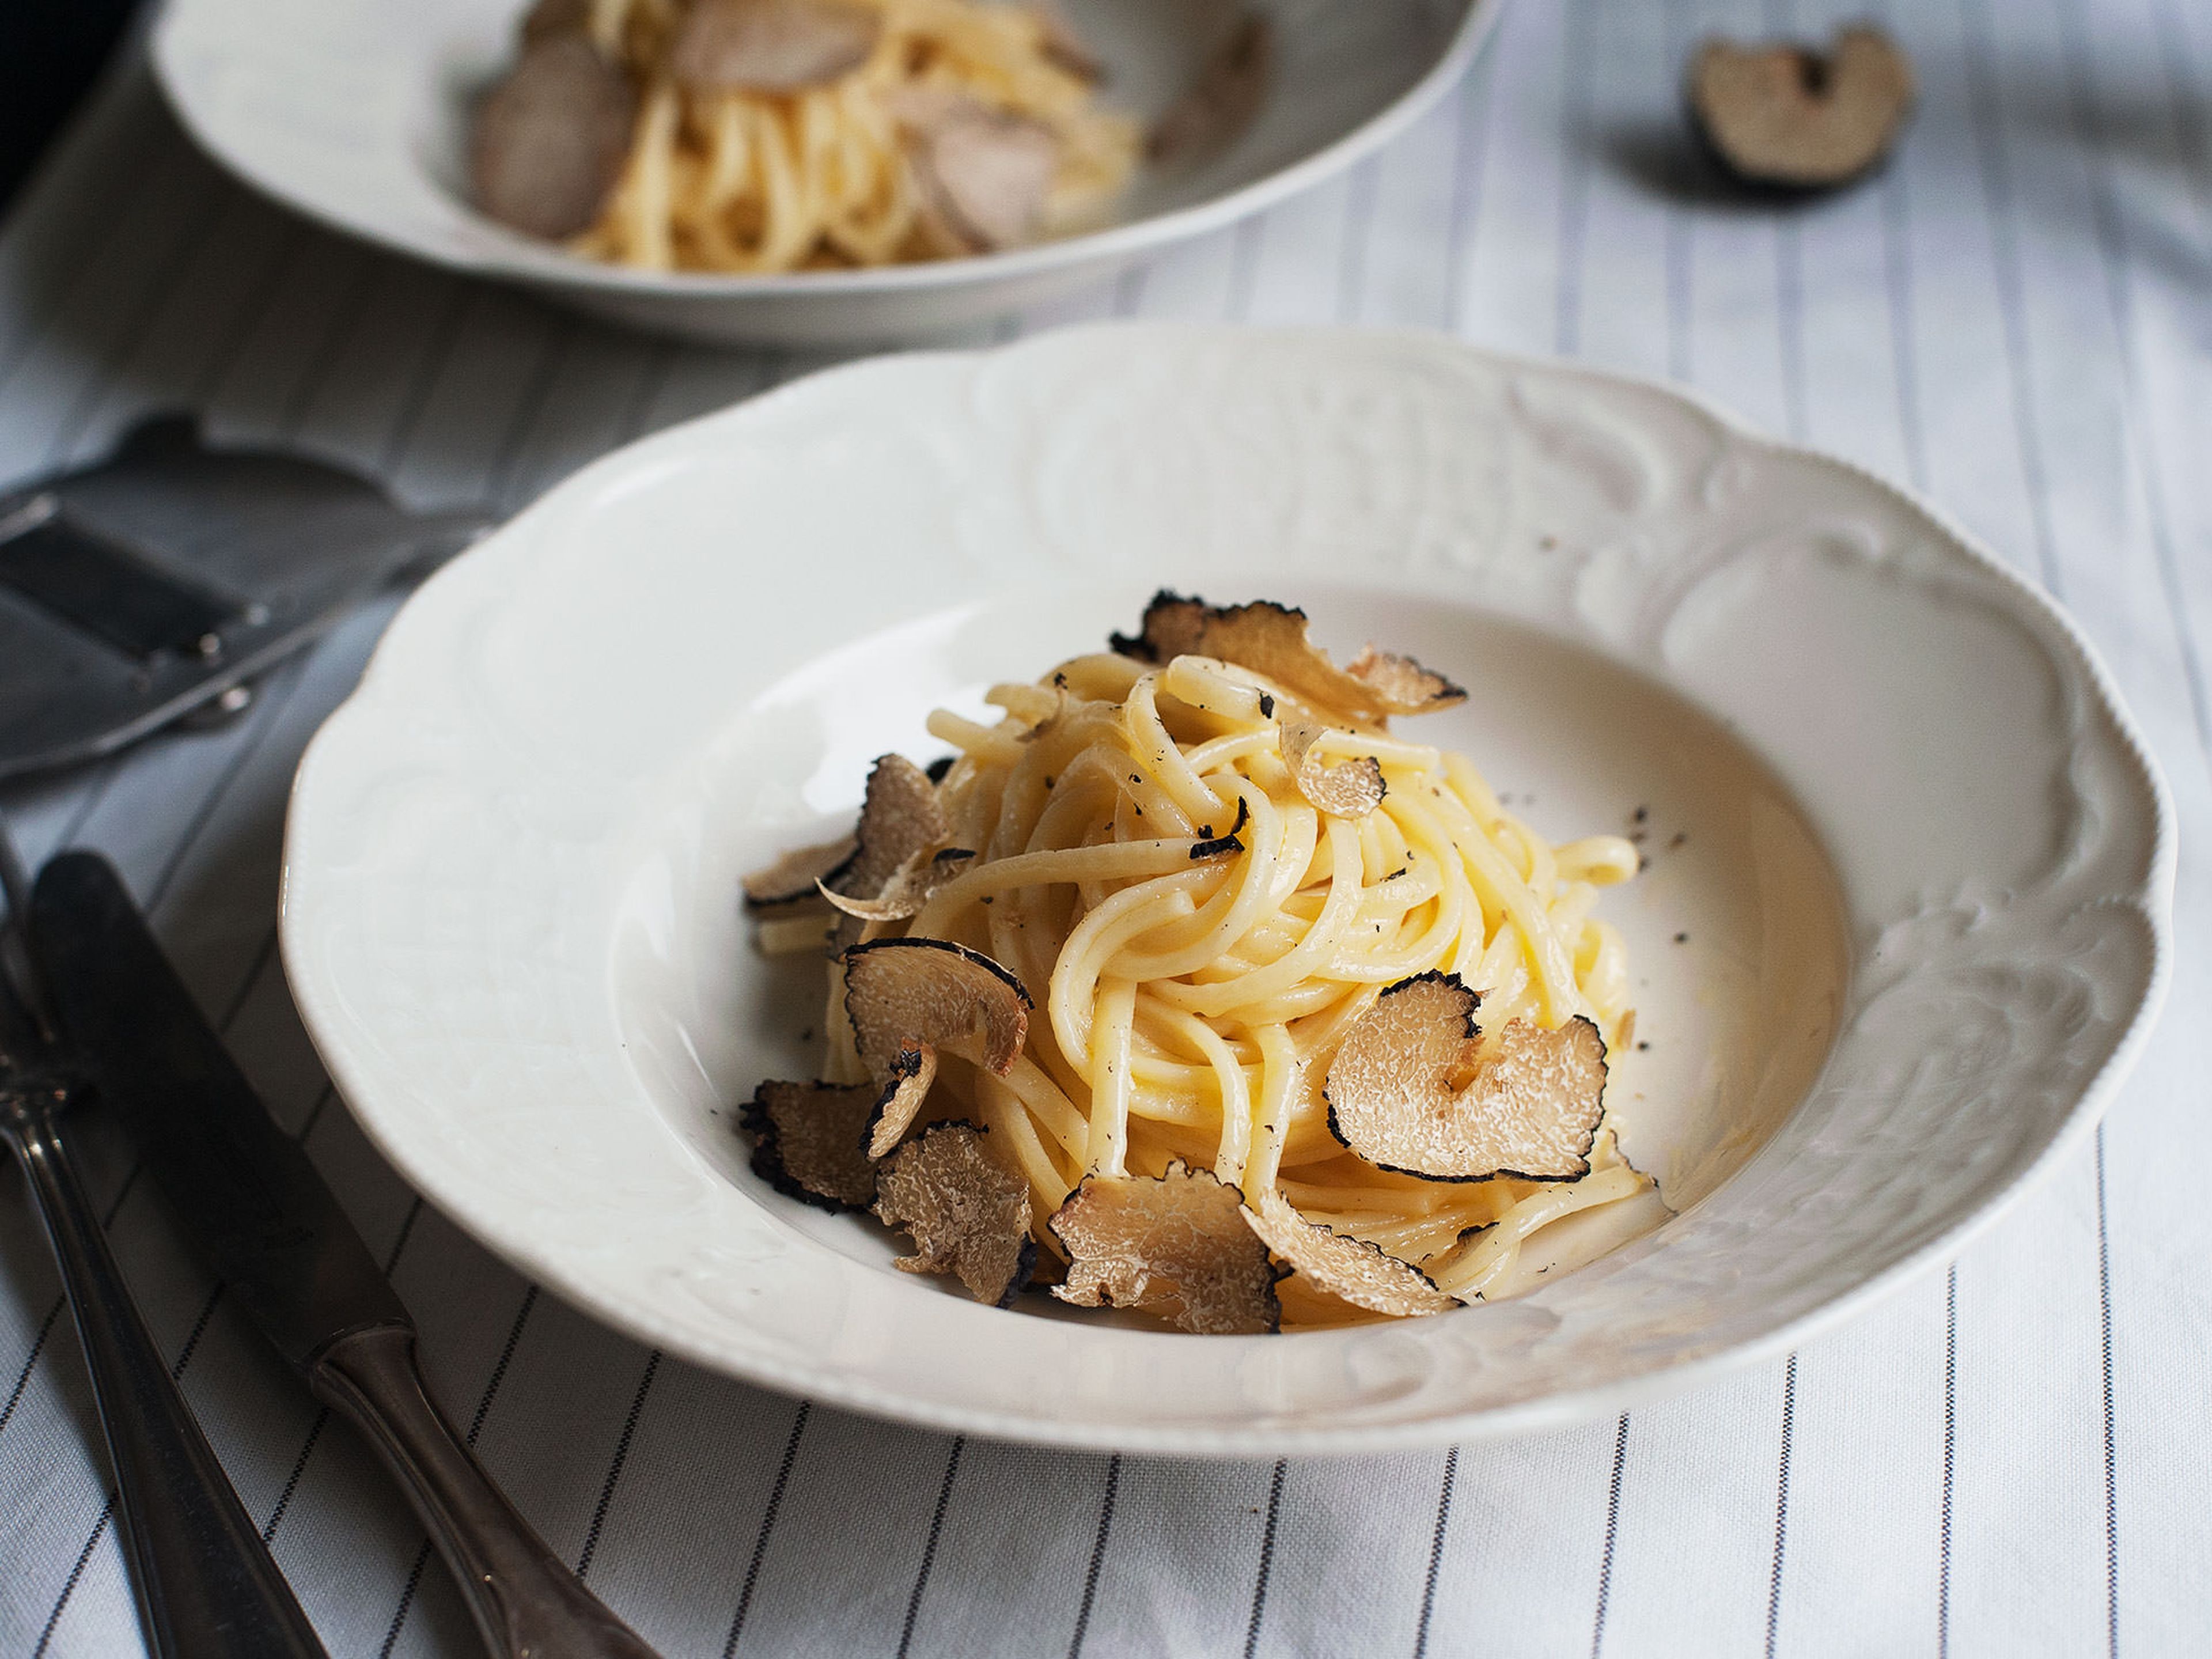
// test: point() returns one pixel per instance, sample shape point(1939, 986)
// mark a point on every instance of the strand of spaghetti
point(1122, 862)
point(1236, 1091)
point(1602, 860)
point(1005, 1114)
point(1605, 974)
point(1054, 1111)
point(1164, 757)
point(1495, 1251)
point(1025, 701)
point(1220, 689)
point(1083, 956)
point(991, 744)
point(1322, 1031)
point(1233, 910)
point(1280, 1075)
point(1360, 960)
point(650, 186)
point(1278, 978)
point(1109, 1077)
point(1225, 753)
point(1499, 886)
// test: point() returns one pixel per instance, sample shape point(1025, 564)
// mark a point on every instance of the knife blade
point(253, 1205)
point(256, 1212)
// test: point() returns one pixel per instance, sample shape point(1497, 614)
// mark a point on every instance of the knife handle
point(207, 1587)
point(526, 1603)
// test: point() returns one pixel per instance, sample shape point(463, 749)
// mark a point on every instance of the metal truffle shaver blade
point(159, 583)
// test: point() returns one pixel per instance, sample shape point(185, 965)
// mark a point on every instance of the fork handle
point(207, 1587)
point(526, 1601)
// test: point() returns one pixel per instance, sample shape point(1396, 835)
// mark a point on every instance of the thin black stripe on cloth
point(1097, 1558)
point(1950, 1460)
point(1267, 1561)
point(615, 1467)
point(929, 1548)
point(1436, 1554)
point(766, 1530)
point(1781, 1507)
point(1612, 1536)
point(2111, 1456)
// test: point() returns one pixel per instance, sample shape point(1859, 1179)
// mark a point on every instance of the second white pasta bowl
point(355, 113)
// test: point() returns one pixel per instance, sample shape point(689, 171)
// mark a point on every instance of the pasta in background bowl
point(1914, 928)
point(359, 112)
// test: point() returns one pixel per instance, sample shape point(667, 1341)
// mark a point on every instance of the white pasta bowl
point(355, 113)
point(1904, 925)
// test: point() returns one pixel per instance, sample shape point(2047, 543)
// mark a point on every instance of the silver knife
point(253, 1205)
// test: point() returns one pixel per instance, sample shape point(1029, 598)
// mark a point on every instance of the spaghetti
point(1198, 937)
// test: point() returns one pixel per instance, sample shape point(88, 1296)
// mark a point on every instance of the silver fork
point(207, 1587)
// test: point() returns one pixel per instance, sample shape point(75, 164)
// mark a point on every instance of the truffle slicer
point(160, 582)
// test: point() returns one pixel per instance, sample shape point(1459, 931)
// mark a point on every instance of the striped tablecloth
point(2012, 1458)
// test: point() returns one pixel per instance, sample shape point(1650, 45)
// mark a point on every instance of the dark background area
point(49, 51)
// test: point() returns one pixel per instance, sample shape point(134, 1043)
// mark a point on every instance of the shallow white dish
point(1925, 877)
point(354, 113)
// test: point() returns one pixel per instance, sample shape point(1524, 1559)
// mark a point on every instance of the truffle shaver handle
point(526, 1601)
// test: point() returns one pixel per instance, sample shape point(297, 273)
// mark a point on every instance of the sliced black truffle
point(1177, 1245)
point(1210, 845)
point(1349, 789)
point(798, 874)
point(807, 1141)
point(772, 45)
point(905, 1082)
point(908, 997)
point(1782, 115)
point(1351, 1269)
point(550, 140)
point(986, 173)
point(1270, 639)
point(908, 888)
point(1414, 1089)
point(899, 816)
point(968, 1214)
